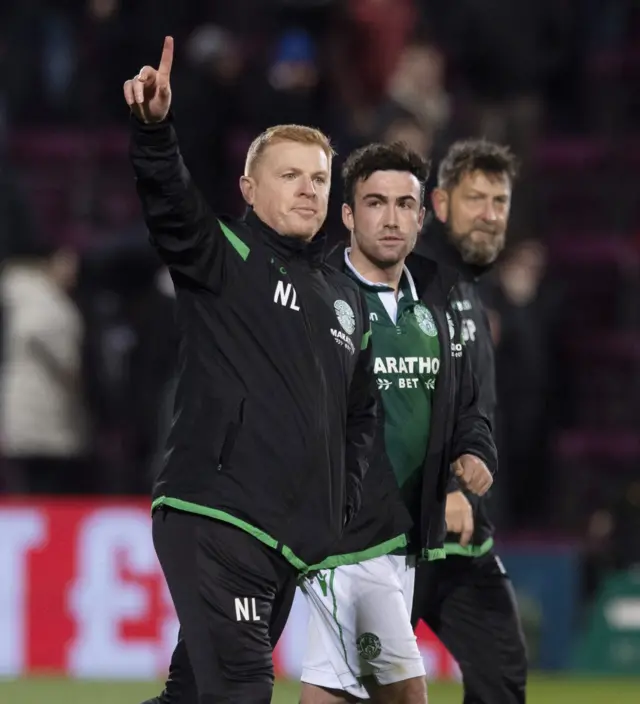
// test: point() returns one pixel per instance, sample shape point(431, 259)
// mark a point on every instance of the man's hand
point(473, 474)
point(459, 516)
point(149, 93)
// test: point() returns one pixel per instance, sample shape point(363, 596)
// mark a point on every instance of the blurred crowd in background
point(88, 344)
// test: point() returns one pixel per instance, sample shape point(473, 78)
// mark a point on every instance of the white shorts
point(360, 625)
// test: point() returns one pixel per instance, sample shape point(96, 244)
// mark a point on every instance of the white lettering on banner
point(21, 530)
point(242, 609)
point(100, 600)
point(282, 296)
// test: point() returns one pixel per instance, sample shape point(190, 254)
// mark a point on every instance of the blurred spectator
point(43, 423)
point(129, 358)
point(380, 30)
point(417, 85)
point(370, 37)
point(290, 90)
point(417, 109)
point(209, 110)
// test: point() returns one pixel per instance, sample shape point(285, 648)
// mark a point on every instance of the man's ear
point(421, 215)
point(247, 188)
point(347, 217)
point(440, 202)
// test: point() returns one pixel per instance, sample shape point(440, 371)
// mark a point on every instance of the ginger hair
point(286, 133)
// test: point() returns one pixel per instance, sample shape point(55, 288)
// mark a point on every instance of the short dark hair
point(469, 155)
point(364, 162)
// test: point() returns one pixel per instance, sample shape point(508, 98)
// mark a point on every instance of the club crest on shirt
point(369, 646)
point(345, 315)
point(425, 320)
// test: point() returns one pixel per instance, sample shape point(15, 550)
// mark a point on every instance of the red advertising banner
point(82, 595)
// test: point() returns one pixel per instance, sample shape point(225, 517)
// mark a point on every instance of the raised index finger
point(166, 60)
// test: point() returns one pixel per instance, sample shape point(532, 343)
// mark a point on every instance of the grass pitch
point(542, 690)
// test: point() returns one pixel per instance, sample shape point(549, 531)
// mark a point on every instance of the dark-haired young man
point(468, 599)
point(360, 642)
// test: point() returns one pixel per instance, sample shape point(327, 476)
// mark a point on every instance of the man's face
point(289, 188)
point(387, 216)
point(476, 212)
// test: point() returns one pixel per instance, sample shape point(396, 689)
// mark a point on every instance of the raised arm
point(181, 226)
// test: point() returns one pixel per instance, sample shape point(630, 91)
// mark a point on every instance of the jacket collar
point(288, 247)
point(434, 243)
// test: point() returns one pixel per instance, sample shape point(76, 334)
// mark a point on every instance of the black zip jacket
point(472, 316)
point(457, 427)
point(274, 413)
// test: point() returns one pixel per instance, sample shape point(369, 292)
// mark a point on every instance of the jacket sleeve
point(472, 432)
point(361, 420)
point(186, 234)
